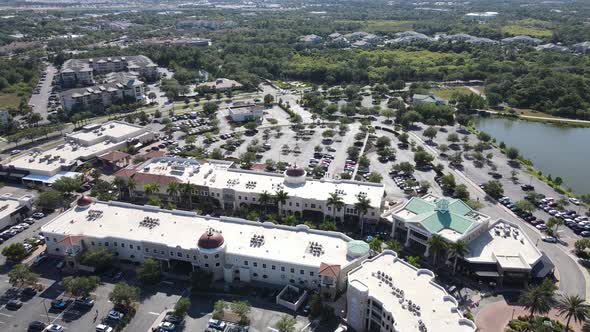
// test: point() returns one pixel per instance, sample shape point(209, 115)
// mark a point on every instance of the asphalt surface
point(39, 100)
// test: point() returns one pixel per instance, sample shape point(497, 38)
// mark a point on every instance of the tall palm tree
point(280, 198)
point(362, 206)
point(572, 306)
point(457, 250)
point(131, 185)
point(264, 198)
point(586, 327)
point(535, 300)
point(120, 184)
point(336, 202)
point(187, 191)
point(172, 190)
point(436, 243)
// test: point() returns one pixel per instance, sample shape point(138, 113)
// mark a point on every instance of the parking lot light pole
point(46, 312)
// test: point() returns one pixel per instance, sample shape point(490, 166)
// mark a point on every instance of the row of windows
point(116, 244)
point(274, 267)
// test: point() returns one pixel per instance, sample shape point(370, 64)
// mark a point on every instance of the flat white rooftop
point(385, 273)
point(183, 229)
point(8, 206)
point(88, 144)
point(217, 174)
point(115, 130)
point(506, 244)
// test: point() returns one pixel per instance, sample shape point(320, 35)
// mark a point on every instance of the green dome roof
point(356, 249)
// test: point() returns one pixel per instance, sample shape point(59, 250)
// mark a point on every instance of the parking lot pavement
point(39, 100)
point(153, 303)
point(17, 190)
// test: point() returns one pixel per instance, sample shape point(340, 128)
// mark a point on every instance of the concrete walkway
point(543, 118)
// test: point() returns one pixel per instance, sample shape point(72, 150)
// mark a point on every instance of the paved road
point(544, 118)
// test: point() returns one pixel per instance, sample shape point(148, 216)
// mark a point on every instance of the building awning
point(17, 174)
point(46, 179)
point(487, 274)
point(543, 267)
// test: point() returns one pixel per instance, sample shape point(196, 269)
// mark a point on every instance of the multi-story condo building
point(386, 294)
point(232, 188)
point(231, 249)
point(81, 72)
point(100, 96)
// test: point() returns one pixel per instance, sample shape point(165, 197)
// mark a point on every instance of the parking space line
point(5, 315)
point(154, 313)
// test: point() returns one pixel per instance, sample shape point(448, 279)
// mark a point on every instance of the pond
point(557, 150)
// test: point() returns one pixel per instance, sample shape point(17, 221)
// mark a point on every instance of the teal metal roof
point(435, 221)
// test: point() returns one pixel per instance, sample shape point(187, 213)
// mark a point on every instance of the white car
point(115, 315)
point(574, 201)
point(24, 225)
point(550, 239)
point(103, 328)
point(54, 328)
point(17, 228)
point(167, 326)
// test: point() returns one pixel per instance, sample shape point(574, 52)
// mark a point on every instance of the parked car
point(29, 221)
point(29, 291)
point(13, 304)
point(103, 328)
point(59, 304)
point(172, 319)
point(35, 326)
point(84, 302)
point(54, 328)
point(527, 187)
point(550, 239)
point(216, 324)
point(115, 315)
point(574, 201)
point(39, 215)
point(166, 326)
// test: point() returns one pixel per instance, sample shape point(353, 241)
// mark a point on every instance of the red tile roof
point(125, 172)
point(114, 156)
point(154, 154)
point(154, 178)
point(331, 270)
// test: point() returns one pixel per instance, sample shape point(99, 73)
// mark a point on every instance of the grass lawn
point(9, 101)
point(448, 93)
point(531, 27)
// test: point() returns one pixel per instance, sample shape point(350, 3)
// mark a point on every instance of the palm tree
point(120, 184)
point(535, 300)
point(336, 202)
point(280, 198)
point(172, 190)
point(187, 190)
point(264, 198)
point(131, 185)
point(572, 306)
point(457, 250)
point(362, 206)
point(586, 327)
point(151, 188)
point(436, 243)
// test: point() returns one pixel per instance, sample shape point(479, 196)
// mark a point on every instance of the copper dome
point(295, 171)
point(211, 240)
point(84, 201)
